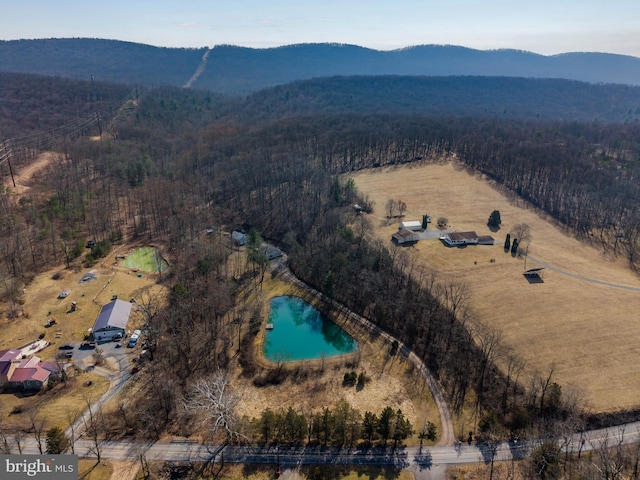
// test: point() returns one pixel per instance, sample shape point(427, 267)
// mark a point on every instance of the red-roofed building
point(30, 378)
point(22, 373)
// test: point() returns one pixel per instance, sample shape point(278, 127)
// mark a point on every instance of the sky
point(541, 26)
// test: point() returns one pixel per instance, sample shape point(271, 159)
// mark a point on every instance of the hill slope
point(503, 97)
point(239, 70)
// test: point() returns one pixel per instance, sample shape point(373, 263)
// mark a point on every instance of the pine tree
point(494, 219)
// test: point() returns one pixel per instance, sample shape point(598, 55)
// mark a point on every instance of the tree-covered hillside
point(498, 97)
point(239, 71)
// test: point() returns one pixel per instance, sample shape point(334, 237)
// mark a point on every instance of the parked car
point(68, 354)
point(85, 345)
point(64, 293)
point(65, 346)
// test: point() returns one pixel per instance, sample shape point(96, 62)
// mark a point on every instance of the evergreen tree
point(57, 441)
point(369, 426)
point(514, 246)
point(494, 219)
point(507, 243)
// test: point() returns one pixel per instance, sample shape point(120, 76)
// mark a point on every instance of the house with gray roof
point(112, 321)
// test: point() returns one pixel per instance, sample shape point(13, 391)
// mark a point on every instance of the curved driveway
point(580, 277)
point(447, 434)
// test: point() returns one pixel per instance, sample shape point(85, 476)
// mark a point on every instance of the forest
point(178, 162)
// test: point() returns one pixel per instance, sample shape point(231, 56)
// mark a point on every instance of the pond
point(147, 259)
point(300, 332)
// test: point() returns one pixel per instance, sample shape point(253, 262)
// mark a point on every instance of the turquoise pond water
point(300, 332)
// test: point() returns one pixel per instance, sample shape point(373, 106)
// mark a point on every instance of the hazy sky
point(542, 26)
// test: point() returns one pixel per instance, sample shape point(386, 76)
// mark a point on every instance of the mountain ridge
point(236, 70)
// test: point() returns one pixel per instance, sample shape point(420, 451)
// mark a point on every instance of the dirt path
point(24, 176)
point(198, 71)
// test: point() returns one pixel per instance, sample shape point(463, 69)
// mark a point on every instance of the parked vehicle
point(66, 346)
point(134, 338)
point(64, 293)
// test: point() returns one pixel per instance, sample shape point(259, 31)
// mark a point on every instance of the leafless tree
point(92, 429)
point(522, 232)
point(391, 207)
point(18, 439)
point(37, 427)
point(5, 445)
point(402, 207)
point(72, 417)
point(217, 401)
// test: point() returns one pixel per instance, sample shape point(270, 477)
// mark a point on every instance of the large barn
point(112, 321)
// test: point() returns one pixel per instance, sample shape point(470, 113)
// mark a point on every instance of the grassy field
point(588, 332)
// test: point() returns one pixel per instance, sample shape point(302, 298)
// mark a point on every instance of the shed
point(112, 321)
point(405, 237)
point(412, 225)
point(239, 238)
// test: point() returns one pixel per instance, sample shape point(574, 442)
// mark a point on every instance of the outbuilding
point(112, 321)
point(239, 238)
point(405, 237)
point(414, 226)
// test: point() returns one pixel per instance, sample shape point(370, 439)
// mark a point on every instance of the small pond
point(300, 332)
point(147, 259)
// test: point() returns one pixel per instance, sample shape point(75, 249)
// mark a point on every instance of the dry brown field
point(392, 382)
point(589, 333)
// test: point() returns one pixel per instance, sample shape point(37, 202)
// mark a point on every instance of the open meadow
point(588, 332)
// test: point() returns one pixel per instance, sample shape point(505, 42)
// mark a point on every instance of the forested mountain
point(238, 70)
point(549, 99)
point(106, 60)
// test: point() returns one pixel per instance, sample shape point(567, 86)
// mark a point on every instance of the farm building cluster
point(19, 372)
point(21, 369)
point(410, 232)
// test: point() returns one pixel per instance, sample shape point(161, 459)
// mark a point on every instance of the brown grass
point(53, 405)
point(589, 332)
point(393, 382)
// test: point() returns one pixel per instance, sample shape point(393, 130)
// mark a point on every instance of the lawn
point(587, 332)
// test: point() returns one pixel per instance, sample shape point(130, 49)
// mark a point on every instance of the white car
point(64, 294)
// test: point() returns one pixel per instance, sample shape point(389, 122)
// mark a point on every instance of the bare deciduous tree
point(217, 401)
point(522, 232)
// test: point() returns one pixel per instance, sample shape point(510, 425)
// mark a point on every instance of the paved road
point(429, 459)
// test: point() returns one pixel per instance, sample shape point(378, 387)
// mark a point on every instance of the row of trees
point(341, 425)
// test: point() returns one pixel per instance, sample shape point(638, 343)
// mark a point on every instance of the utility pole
point(99, 124)
point(93, 91)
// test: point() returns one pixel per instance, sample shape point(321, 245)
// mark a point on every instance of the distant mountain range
point(239, 71)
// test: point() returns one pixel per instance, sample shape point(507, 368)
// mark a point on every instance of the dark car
point(66, 346)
